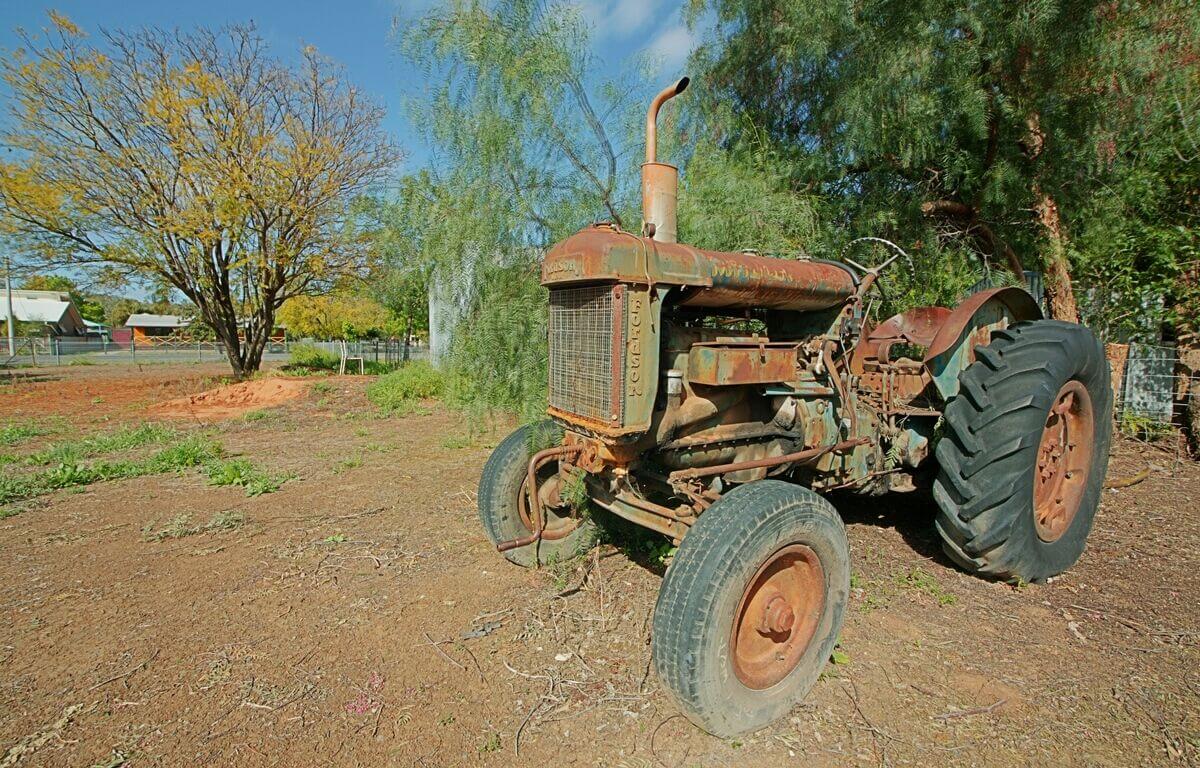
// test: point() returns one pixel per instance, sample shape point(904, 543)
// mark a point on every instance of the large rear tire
point(751, 607)
point(503, 502)
point(1021, 464)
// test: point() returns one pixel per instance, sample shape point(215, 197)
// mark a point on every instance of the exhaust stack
point(660, 181)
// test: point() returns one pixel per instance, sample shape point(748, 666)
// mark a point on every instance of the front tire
point(503, 502)
point(751, 607)
point(1021, 464)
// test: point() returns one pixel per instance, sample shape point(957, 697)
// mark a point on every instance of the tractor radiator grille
point(586, 325)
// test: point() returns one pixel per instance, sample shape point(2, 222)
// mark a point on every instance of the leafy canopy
point(194, 159)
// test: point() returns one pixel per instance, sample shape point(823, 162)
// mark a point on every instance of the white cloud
point(624, 18)
point(671, 48)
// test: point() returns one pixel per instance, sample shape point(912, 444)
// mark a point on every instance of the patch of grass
point(243, 474)
point(15, 433)
point(323, 387)
point(456, 443)
point(348, 463)
point(191, 451)
point(401, 391)
point(124, 439)
point(337, 538)
point(254, 416)
point(925, 582)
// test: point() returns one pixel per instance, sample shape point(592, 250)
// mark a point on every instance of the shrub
point(400, 390)
point(312, 358)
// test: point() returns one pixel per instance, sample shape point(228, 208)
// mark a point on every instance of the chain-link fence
point(51, 351)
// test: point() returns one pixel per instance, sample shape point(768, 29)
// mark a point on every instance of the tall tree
point(193, 159)
point(987, 124)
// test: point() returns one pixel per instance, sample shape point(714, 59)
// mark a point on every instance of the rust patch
point(741, 363)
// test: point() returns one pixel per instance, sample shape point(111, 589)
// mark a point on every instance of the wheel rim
point(556, 518)
point(1063, 461)
point(777, 616)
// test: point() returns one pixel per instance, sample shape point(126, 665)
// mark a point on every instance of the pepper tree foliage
point(194, 160)
point(524, 152)
point(990, 130)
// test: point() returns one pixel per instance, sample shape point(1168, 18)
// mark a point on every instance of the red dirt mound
point(234, 399)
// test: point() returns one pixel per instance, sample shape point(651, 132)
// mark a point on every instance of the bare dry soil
point(358, 616)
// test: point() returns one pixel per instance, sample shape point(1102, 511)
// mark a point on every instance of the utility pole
point(12, 337)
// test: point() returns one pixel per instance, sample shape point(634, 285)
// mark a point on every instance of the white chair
point(347, 358)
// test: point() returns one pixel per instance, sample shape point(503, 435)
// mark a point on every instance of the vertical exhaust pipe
point(660, 181)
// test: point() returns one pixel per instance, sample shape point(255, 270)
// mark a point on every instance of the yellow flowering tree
point(337, 316)
point(194, 159)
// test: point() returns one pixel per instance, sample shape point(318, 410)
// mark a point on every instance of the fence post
point(57, 351)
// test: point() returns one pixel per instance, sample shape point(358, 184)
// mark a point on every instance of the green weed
point(925, 582)
point(323, 387)
point(15, 434)
point(243, 474)
point(351, 462)
point(1144, 427)
point(491, 745)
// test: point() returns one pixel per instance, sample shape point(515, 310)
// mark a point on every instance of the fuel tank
point(711, 279)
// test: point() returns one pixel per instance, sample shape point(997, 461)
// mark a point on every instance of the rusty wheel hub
point(1063, 460)
point(777, 616)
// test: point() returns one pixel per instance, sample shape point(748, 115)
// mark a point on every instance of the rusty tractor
point(713, 397)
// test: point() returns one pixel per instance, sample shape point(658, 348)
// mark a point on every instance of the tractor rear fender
point(971, 325)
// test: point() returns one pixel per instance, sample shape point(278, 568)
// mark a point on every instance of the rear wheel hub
point(1063, 461)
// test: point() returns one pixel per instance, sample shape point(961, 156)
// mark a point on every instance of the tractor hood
point(714, 279)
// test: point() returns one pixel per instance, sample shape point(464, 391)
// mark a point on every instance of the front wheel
point(504, 503)
point(751, 607)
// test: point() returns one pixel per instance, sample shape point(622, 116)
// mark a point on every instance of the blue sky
point(358, 33)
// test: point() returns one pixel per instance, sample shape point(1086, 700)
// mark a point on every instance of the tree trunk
point(1058, 271)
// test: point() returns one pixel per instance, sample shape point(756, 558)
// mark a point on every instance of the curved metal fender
point(971, 325)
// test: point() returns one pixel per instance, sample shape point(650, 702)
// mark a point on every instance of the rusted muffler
point(660, 181)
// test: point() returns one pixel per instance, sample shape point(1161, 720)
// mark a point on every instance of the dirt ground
point(358, 616)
